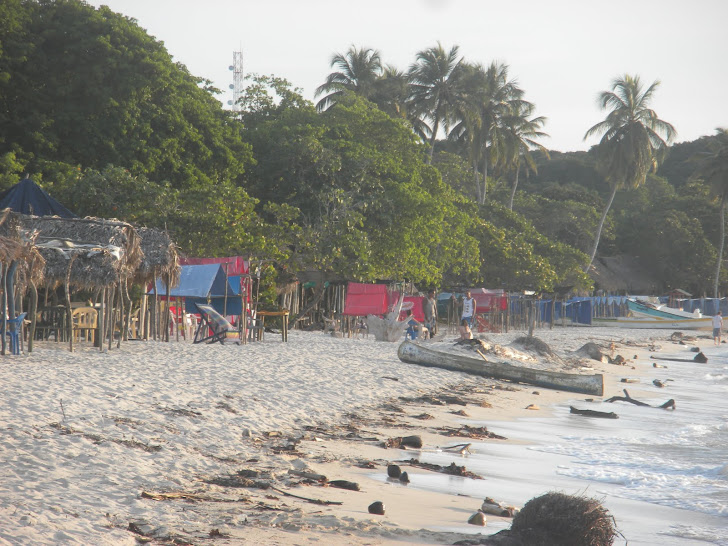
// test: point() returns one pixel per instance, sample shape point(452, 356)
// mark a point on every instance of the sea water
point(662, 474)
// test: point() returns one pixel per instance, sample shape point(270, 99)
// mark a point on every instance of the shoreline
point(277, 439)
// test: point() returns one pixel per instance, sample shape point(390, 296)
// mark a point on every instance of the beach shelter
point(489, 300)
point(205, 284)
point(27, 197)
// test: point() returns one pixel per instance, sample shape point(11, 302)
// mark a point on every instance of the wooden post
point(69, 313)
point(4, 310)
point(33, 311)
point(553, 311)
point(179, 319)
point(142, 323)
point(120, 301)
point(167, 315)
point(127, 315)
point(101, 320)
point(110, 315)
point(153, 319)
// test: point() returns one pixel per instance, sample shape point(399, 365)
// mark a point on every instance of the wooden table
point(284, 319)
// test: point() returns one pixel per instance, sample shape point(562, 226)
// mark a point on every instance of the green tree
point(435, 79)
point(358, 70)
point(90, 87)
point(632, 141)
point(713, 169)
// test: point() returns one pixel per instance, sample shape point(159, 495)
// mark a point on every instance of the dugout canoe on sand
point(584, 384)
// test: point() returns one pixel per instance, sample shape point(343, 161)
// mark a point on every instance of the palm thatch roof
point(16, 245)
point(100, 252)
point(160, 257)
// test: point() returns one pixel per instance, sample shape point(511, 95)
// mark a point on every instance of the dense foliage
point(361, 186)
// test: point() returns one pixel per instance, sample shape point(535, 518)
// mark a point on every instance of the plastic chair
point(85, 320)
point(14, 329)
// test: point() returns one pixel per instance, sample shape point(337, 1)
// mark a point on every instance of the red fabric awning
point(365, 299)
point(489, 300)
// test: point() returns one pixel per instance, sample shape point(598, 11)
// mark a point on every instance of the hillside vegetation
point(362, 185)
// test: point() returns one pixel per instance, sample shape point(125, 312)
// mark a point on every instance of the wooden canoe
point(585, 384)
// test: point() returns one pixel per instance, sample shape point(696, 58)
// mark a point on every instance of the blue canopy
point(27, 197)
point(205, 284)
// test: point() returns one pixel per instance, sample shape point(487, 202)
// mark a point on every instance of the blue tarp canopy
point(26, 197)
point(205, 284)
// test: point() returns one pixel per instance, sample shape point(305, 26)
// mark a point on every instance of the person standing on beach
point(429, 308)
point(469, 308)
point(717, 327)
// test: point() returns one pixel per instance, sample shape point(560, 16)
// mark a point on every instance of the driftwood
point(402, 442)
point(700, 357)
point(458, 448)
point(593, 413)
point(452, 469)
point(307, 499)
point(494, 508)
point(389, 328)
point(344, 484)
point(466, 431)
point(670, 404)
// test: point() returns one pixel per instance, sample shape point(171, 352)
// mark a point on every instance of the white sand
point(83, 434)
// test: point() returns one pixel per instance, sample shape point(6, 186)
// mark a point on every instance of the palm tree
point(434, 86)
point(358, 71)
point(632, 142)
point(487, 99)
point(520, 134)
point(392, 96)
point(713, 169)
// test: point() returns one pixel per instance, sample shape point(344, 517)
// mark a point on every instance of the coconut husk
point(556, 519)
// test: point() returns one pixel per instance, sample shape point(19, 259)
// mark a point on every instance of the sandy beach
point(201, 444)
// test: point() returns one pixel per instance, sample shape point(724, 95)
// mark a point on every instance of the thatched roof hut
point(100, 251)
point(16, 245)
point(160, 257)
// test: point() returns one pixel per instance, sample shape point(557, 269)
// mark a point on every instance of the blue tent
point(26, 197)
point(205, 284)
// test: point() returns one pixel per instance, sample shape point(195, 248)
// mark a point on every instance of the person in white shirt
point(469, 308)
point(717, 327)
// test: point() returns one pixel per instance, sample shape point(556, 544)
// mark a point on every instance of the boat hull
point(584, 384)
point(642, 310)
point(704, 323)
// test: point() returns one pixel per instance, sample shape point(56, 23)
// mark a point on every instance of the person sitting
point(361, 328)
point(465, 331)
point(413, 326)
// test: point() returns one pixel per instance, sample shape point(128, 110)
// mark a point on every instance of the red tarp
point(365, 299)
point(232, 265)
point(410, 303)
point(489, 300)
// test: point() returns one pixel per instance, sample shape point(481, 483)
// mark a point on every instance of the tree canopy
point(398, 174)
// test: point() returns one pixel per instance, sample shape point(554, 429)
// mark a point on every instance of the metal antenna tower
point(238, 78)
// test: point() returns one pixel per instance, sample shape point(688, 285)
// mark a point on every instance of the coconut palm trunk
point(484, 193)
point(433, 138)
point(515, 185)
point(720, 247)
point(599, 228)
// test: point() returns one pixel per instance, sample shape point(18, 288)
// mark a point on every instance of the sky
point(563, 53)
